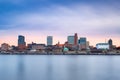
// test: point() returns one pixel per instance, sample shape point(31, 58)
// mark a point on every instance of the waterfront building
point(110, 42)
point(56, 49)
point(21, 43)
point(102, 46)
point(65, 49)
point(36, 47)
point(49, 40)
point(70, 40)
point(5, 47)
point(87, 45)
point(75, 39)
point(82, 40)
point(83, 43)
point(68, 45)
point(60, 45)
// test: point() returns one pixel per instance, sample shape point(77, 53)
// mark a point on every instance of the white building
point(102, 46)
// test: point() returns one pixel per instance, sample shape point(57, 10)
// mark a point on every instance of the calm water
point(59, 67)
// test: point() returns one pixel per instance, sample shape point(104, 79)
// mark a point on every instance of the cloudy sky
point(98, 20)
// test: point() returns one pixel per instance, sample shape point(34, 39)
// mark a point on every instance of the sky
point(98, 20)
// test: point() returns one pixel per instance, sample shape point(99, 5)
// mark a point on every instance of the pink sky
point(12, 40)
point(95, 21)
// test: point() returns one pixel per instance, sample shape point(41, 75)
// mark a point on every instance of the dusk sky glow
point(36, 19)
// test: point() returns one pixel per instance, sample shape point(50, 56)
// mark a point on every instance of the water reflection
point(49, 69)
point(20, 68)
point(59, 67)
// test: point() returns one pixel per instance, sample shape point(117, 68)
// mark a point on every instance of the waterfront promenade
point(62, 53)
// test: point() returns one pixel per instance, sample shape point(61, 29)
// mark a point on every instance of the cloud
point(76, 18)
point(61, 21)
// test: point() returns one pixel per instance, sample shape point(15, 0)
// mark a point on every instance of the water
point(59, 67)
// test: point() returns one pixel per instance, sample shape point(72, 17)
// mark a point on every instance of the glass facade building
point(49, 40)
point(21, 39)
point(82, 40)
point(70, 39)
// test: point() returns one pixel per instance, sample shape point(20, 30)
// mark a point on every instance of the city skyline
point(98, 20)
point(70, 39)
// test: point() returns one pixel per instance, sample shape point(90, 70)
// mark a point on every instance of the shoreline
point(59, 53)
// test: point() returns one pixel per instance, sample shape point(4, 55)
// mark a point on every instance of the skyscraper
point(110, 42)
point(82, 40)
point(70, 39)
point(49, 40)
point(75, 39)
point(21, 42)
point(83, 43)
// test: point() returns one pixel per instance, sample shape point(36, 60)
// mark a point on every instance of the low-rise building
point(102, 46)
point(36, 47)
point(5, 47)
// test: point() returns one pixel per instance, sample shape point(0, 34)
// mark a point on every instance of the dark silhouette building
point(21, 43)
point(110, 42)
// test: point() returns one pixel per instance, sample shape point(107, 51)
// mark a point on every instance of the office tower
point(82, 43)
point(70, 39)
point(110, 42)
point(21, 42)
point(82, 40)
point(75, 39)
point(87, 45)
point(49, 40)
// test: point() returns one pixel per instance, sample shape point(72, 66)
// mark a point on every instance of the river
point(59, 67)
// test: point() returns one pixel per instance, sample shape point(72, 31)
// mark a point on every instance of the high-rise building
point(87, 45)
point(70, 39)
point(21, 42)
point(75, 39)
point(82, 40)
point(82, 43)
point(49, 40)
point(110, 42)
